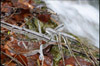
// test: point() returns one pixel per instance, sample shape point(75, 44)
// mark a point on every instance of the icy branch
point(29, 33)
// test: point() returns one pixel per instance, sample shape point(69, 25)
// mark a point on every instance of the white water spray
point(80, 17)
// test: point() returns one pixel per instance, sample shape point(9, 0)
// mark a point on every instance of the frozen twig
point(29, 33)
point(41, 57)
point(70, 50)
point(60, 47)
point(82, 45)
point(39, 27)
point(53, 31)
point(59, 27)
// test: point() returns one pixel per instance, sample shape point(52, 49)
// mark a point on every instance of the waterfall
point(80, 17)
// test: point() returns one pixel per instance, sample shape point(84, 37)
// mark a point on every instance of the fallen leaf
point(32, 60)
point(18, 19)
point(25, 4)
point(10, 64)
point(72, 62)
point(47, 61)
point(9, 53)
point(22, 59)
point(44, 17)
point(43, 42)
point(6, 7)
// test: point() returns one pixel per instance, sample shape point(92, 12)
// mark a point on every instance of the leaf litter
point(15, 46)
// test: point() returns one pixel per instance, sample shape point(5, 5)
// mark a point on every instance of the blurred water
point(80, 17)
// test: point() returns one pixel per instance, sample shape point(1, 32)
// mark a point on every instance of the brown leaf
point(10, 64)
point(32, 60)
point(72, 62)
point(13, 46)
point(25, 4)
point(44, 17)
point(6, 7)
point(8, 52)
point(2, 55)
point(22, 59)
point(47, 61)
point(18, 19)
point(43, 42)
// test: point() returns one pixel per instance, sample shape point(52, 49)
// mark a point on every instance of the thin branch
point(39, 27)
point(54, 21)
point(22, 60)
point(60, 48)
point(29, 33)
point(13, 58)
point(53, 31)
point(82, 45)
point(10, 61)
point(71, 52)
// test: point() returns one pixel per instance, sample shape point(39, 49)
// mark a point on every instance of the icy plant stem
point(70, 50)
point(39, 27)
point(29, 33)
point(86, 53)
point(60, 47)
point(41, 57)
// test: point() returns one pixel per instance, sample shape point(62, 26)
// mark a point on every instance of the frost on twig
point(53, 31)
point(29, 33)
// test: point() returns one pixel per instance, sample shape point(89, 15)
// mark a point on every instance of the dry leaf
point(22, 59)
point(71, 61)
point(44, 17)
point(10, 64)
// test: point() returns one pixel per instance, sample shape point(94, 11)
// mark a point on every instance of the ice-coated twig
point(41, 57)
point(67, 45)
point(31, 34)
point(70, 49)
point(39, 27)
point(53, 31)
point(59, 27)
point(60, 47)
point(82, 45)
point(24, 45)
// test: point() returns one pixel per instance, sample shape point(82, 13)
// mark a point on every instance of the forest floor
point(30, 37)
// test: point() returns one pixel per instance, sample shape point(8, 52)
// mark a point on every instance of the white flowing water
point(80, 17)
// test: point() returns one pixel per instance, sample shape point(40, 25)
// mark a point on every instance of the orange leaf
point(32, 60)
point(72, 62)
point(8, 52)
point(10, 64)
point(82, 62)
point(22, 59)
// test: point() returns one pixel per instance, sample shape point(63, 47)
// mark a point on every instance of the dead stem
point(70, 50)
point(10, 61)
point(54, 21)
point(13, 58)
point(60, 47)
point(22, 60)
point(92, 56)
point(86, 53)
